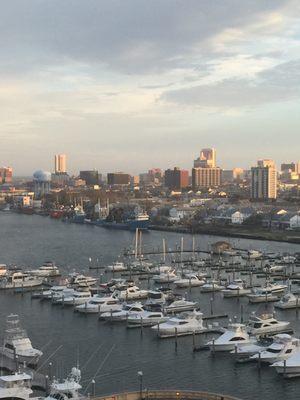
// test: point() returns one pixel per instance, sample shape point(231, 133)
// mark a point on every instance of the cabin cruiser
point(185, 324)
point(60, 296)
point(191, 281)
point(180, 306)
point(165, 277)
point(147, 318)
point(261, 295)
point(289, 368)
point(242, 353)
point(235, 335)
point(254, 254)
point(131, 293)
point(3, 270)
point(122, 315)
point(17, 344)
point(77, 298)
point(79, 279)
point(211, 286)
point(236, 289)
point(48, 269)
point(289, 300)
point(289, 259)
point(116, 267)
point(68, 389)
point(98, 304)
point(16, 386)
point(265, 324)
point(282, 348)
point(48, 294)
point(155, 299)
point(19, 280)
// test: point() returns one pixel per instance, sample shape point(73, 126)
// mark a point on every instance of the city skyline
point(135, 84)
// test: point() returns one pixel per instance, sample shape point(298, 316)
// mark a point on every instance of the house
point(237, 218)
point(295, 222)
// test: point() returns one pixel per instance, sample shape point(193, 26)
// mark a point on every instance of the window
point(236, 339)
point(257, 325)
point(288, 351)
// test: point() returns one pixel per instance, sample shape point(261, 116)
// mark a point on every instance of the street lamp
point(140, 376)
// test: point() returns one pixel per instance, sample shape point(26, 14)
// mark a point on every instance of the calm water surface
point(114, 354)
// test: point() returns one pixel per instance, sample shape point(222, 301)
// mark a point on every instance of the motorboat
point(60, 296)
point(68, 389)
point(155, 299)
point(48, 269)
point(282, 348)
point(254, 254)
point(3, 270)
point(16, 343)
point(16, 386)
point(180, 306)
point(131, 293)
point(147, 318)
point(18, 280)
point(211, 286)
point(79, 279)
point(165, 277)
point(235, 335)
point(185, 324)
point(191, 281)
point(122, 315)
point(55, 290)
point(244, 352)
point(77, 298)
point(236, 288)
point(265, 324)
point(261, 295)
point(98, 304)
point(289, 368)
point(289, 300)
point(289, 259)
point(116, 267)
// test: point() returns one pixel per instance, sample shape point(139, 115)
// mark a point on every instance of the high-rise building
point(206, 177)
point(176, 179)
point(264, 180)
point(207, 159)
point(118, 178)
point(6, 174)
point(90, 177)
point(60, 163)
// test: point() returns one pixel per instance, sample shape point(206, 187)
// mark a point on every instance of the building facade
point(90, 177)
point(207, 159)
point(60, 163)
point(264, 180)
point(176, 179)
point(6, 174)
point(118, 178)
point(206, 177)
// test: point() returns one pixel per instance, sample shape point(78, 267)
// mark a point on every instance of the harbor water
point(110, 353)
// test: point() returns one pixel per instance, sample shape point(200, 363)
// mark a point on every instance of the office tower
point(90, 177)
point(176, 179)
point(207, 159)
point(6, 174)
point(264, 180)
point(118, 178)
point(60, 163)
point(206, 177)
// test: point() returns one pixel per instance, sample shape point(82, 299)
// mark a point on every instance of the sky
point(128, 85)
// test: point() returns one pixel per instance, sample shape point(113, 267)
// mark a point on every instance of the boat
point(254, 254)
point(122, 315)
point(147, 318)
point(131, 293)
point(282, 348)
point(235, 335)
point(18, 280)
point(116, 267)
point(165, 277)
point(289, 300)
point(140, 220)
point(48, 269)
point(3, 270)
point(191, 281)
point(60, 296)
point(289, 368)
point(17, 344)
point(211, 286)
point(155, 299)
point(180, 306)
point(79, 279)
point(269, 293)
point(266, 324)
point(243, 353)
point(53, 292)
point(77, 298)
point(98, 304)
point(16, 386)
point(289, 259)
point(185, 324)
point(235, 289)
point(68, 389)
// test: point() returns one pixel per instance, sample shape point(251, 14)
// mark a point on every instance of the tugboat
point(17, 345)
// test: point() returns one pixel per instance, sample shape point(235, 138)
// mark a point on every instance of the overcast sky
point(134, 84)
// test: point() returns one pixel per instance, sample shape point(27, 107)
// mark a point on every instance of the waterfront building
point(207, 159)
point(41, 181)
point(206, 177)
point(6, 174)
point(264, 180)
point(60, 161)
point(90, 177)
point(118, 178)
point(176, 179)
point(60, 179)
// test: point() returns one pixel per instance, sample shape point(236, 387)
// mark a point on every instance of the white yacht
point(79, 279)
point(97, 304)
point(262, 295)
point(211, 286)
point(165, 276)
point(16, 386)
point(116, 267)
point(3, 270)
point(48, 269)
point(77, 298)
point(131, 293)
point(282, 348)
point(147, 318)
point(185, 324)
point(235, 335)
point(289, 259)
point(18, 280)
point(289, 368)
point(155, 298)
point(122, 315)
point(265, 324)
point(68, 389)
point(181, 305)
point(17, 344)
point(60, 296)
point(243, 353)
point(191, 281)
point(236, 289)
point(52, 292)
point(254, 254)
point(288, 301)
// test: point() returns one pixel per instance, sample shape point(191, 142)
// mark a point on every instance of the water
point(116, 354)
